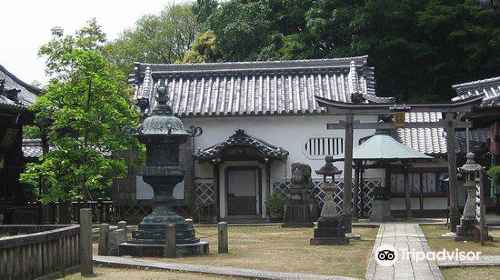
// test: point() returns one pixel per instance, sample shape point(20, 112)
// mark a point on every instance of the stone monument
point(330, 229)
point(300, 207)
point(162, 133)
point(381, 206)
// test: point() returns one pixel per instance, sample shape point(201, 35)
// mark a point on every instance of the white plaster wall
point(289, 132)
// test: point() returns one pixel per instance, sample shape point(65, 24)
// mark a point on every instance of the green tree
point(203, 49)
point(419, 48)
point(159, 38)
point(89, 102)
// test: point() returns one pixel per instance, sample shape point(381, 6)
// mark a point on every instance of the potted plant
point(276, 207)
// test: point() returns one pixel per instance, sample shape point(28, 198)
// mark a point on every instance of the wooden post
point(348, 152)
point(103, 240)
point(170, 241)
point(86, 242)
point(452, 171)
point(216, 187)
point(407, 191)
point(223, 238)
point(356, 189)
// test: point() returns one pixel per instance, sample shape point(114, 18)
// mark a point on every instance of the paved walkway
point(408, 236)
point(122, 262)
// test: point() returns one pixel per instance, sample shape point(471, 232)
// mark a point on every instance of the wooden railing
point(42, 250)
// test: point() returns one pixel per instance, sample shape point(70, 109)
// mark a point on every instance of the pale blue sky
point(26, 26)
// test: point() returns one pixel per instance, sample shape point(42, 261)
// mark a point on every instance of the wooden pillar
point(362, 193)
point(268, 183)
point(407, 191)
point(356, 189)
point(86, 242)
point(452, 171)
point(348, 152)
point(216, 175)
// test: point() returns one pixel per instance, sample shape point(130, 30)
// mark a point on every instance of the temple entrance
point(243, 191)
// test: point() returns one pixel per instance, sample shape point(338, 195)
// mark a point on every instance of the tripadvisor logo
point(387, 255)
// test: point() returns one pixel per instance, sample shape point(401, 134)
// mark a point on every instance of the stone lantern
point(471, 169)
point(330, 230)
point(162, 133)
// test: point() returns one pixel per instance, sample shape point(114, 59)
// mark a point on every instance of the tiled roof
point(32, 148)
point(477, 138)
point(431, 141)
point(27, 94)
point(240, 138)
point(489, 87)
point(248, 88)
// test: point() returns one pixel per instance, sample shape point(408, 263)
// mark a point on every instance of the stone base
point(300, 208)
point(381, 211)
point(329, 241)
point(329, 231)
point(449, 235)
point(158, 250)
point(352, 236)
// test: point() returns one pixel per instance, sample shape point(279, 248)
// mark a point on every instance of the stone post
point(123, 225)
point(223, 238)
point(170, 242)
point(103, 240)
point(86, 242)
point(348, 158)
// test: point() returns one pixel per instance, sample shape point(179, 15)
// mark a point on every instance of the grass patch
point(102, 273)
point(437, 243)
point(472, 273)
point(286, 250)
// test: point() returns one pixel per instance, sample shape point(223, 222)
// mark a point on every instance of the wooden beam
point(438, 124)
point(348, 152)
point(342, 108)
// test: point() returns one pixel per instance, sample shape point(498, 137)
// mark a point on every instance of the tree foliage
point(203, 49)
point(161, 38)
point(418, 47)
point(89, 104)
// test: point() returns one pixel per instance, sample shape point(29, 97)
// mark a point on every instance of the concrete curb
point(121, 262)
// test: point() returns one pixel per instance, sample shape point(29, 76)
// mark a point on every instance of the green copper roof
point(383, 146)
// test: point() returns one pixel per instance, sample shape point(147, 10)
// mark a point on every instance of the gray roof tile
point(248, 88)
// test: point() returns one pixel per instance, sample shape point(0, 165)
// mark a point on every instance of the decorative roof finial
point(162, 98)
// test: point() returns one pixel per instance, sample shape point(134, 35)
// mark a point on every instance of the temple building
point(260, 117)
point(15, 95)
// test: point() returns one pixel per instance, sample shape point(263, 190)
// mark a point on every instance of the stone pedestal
point(329, 232)
point(158, 250)
point(381, 211)
point(330, 229)
point(300, 208)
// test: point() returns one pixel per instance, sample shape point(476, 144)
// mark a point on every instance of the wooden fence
point(40, 250)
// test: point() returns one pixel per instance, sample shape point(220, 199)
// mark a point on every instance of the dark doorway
point(243, 191)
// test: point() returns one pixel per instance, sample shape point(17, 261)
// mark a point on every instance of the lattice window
point(318, 147)
point(204, 192)
point(364, 199)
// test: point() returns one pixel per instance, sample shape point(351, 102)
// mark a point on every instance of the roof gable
point(27, 93)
